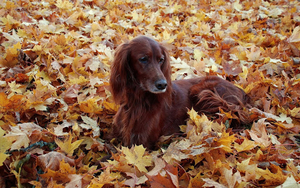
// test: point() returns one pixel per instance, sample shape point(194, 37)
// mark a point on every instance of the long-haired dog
point(151, 105)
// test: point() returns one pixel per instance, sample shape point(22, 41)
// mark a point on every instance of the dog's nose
point(161, 84)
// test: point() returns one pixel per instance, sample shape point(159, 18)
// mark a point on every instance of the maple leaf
point(159, 165)
point(137, 17)
point(67, 146)
point(4, 145)
point(295, 37)
point(90, 124)
point(273, 66)
point(259, 134)
point(64, 4)
point(76, 181)
point(52, 160)
point(200, 127)
point(63, 174)
point(161, 182)
point(198, 55)
point(11, 56)
point(12, 102)
point(231, 178)
point(174, 152)
point(13, 39)
point(271, 178)
point(290, 182)
point(137, 157)
point(63, 76)
point(20, 134)
point(9, 22)
point(245, 146)
point(254, 54)
point(183, 70)
point(225, 141)
point(172, 171)
point(249, 169)
point(283, 118)
point(106, 177)
point(211, 183)
point(237, 6)
point(295, 112)
point(135, 180)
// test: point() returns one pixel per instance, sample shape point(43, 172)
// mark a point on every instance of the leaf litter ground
point(56, 109)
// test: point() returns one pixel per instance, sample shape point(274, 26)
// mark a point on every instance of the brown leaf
point(52, 160)
point(161, 182)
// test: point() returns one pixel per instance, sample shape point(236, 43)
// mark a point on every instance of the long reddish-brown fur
point(151, 105)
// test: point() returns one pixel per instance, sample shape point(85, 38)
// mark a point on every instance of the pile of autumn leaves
point(54, 100)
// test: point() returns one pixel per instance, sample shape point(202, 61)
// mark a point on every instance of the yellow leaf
point(110, 106)
point(16, 88)
point(10, 5)
point(67, 5)
point(9, 22)
point(225, 141)
point(244, 74)
point(203, 125)
point(105, 177)
point(4, 145)
point(237, 6)
point(80, 80)
point(166, 35)
point(14, 50)
point(137, 17)
point(198, 55)
point(245, 146)
point(246, 167)
point(66, 168)
point(271, 177)
point(67, 146)
point(11, 55)
point(136, 156)
point(37, 48)
point(295, 112)
point(39, 107)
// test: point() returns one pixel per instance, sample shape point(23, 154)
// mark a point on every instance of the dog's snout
point(161, 84)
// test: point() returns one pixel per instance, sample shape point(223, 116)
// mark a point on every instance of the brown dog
point(151, 104)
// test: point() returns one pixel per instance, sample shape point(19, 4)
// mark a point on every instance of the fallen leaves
point(23, 134)
point(4, 145)
point(135, 156)
point(67, 146)
point(295, 37)
point(56, 107)
point(52, 160)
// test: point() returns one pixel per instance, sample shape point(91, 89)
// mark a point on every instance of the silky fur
point(146, 112)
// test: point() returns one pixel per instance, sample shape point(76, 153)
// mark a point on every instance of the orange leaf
point(159, 181)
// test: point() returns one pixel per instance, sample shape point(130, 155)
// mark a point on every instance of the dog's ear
point(166, 67)
point(119, 72)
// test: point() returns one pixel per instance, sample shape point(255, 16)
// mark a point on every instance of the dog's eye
point(144, 59)
point(161, 60)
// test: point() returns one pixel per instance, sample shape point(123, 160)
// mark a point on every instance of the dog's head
point(143, 64)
